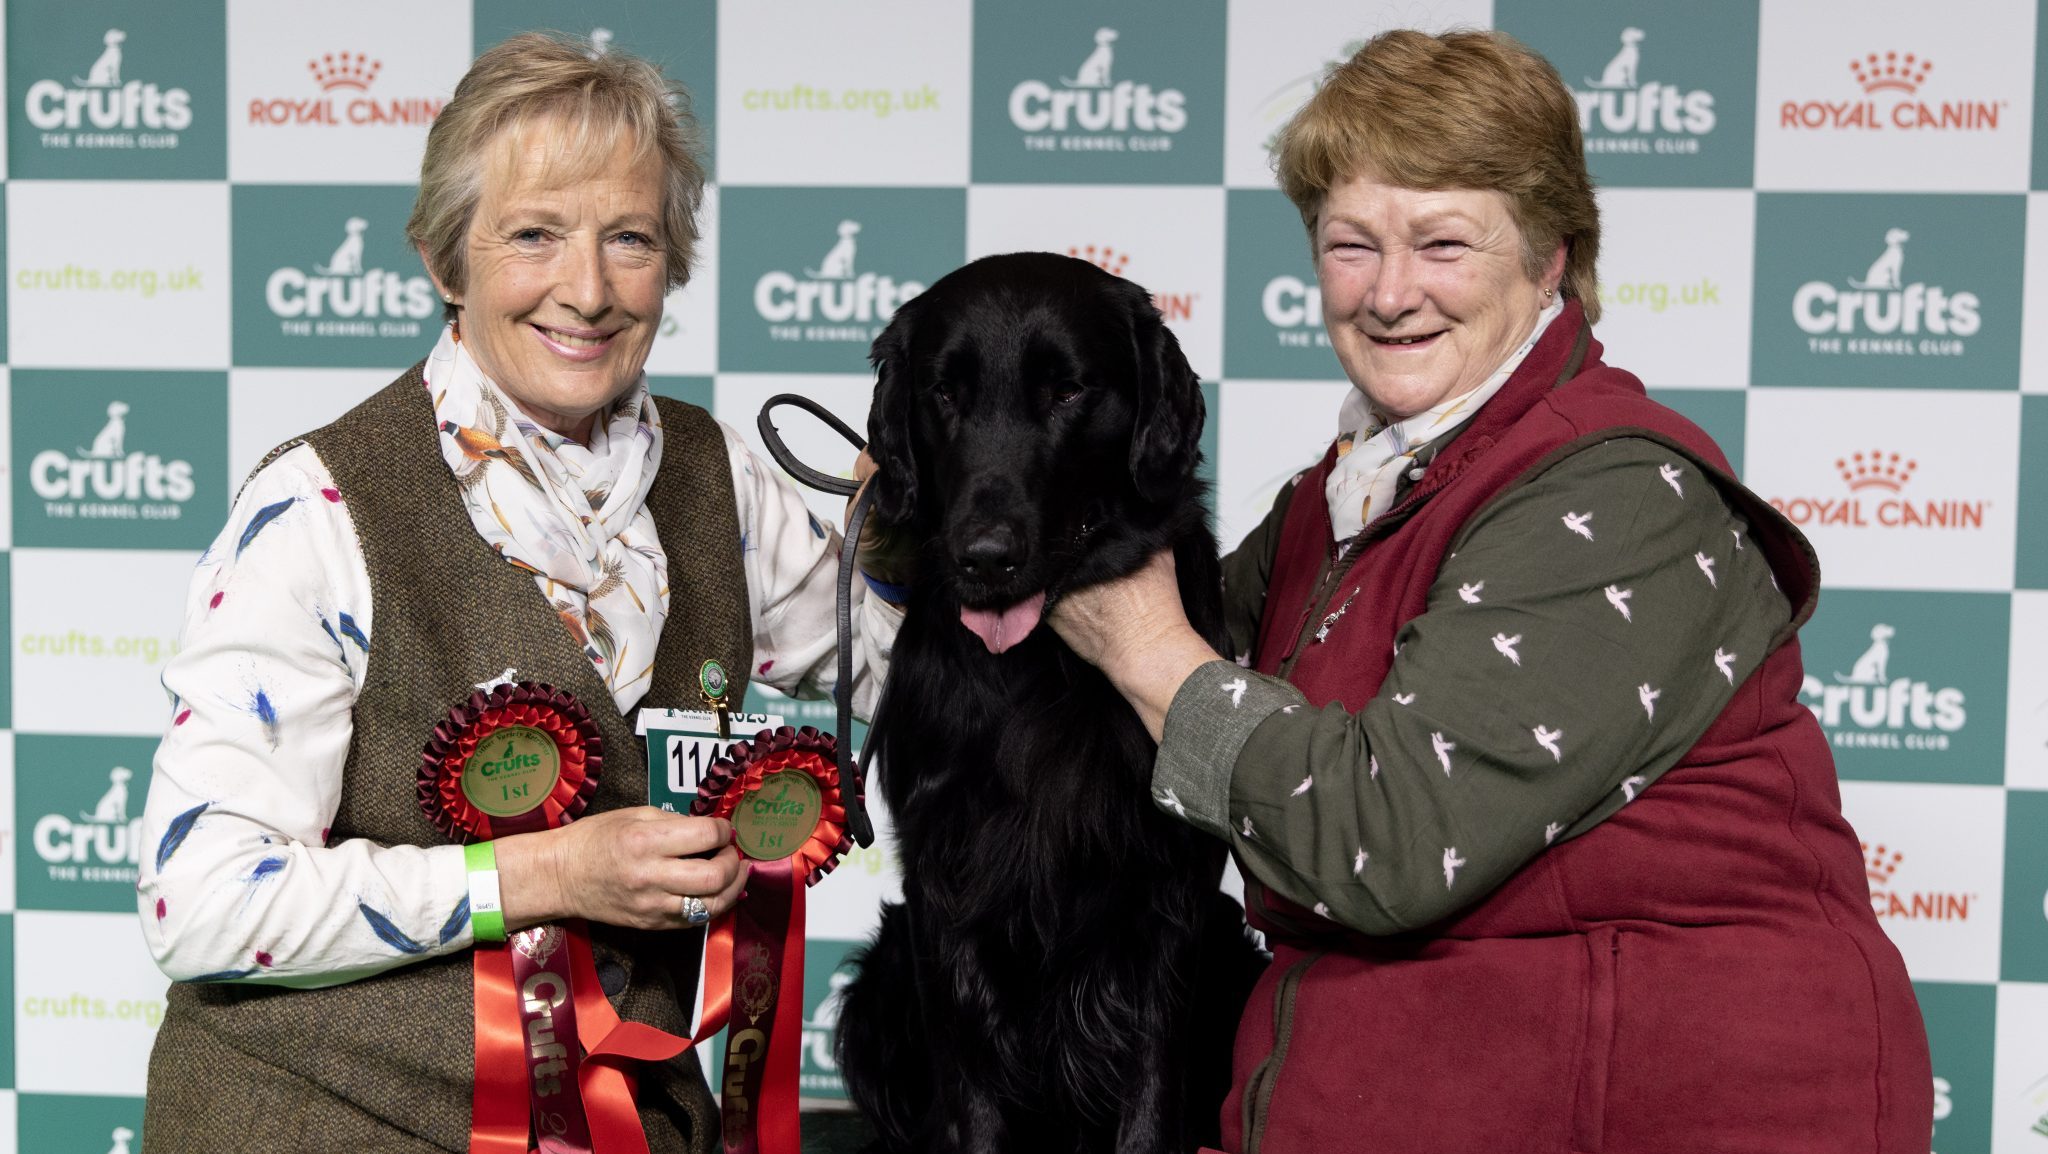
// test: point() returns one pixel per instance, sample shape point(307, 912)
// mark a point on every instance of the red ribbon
point(762, 974)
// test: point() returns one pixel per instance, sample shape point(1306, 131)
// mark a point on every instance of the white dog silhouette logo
point(600, 41)
point(1094, 71)
point(1870, 668)
point(818, 1031)
point(110, 444)
point(106, 71)
point(1888, 270)
point(347, 259)
point(113, 805)
point(1621, 71)
point(838, 262)
point(122, 1136)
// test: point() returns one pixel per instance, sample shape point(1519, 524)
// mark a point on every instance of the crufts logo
point(1171, 306)
point(1884, 303)
point(834, 291)
point(1867, 708)
point(342, 298)
point(1879, 864)
point(820, 1032)
point(112, 108)
point(104, 845)
point(1877, 481)
point(121, 1136)
point(120, 484)
point(1641, 116)
point(1093, 104)
point(344, 80)
point(1891, 83)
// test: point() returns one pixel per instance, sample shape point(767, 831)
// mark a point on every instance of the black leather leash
point(850, 769)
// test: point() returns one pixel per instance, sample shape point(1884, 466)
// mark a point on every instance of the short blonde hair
point(1457, 110)
point(588, 103)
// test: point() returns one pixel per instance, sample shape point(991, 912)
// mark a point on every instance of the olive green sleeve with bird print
point(1588, 628)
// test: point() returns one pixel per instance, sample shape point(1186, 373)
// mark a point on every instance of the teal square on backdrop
point(2024, 937)
point(698, 391)
point(2030, 550)
point(324, 277)
point(1910, 686)
point(1098, 91)
point(1883, 290)
point(78, 801)
point(117, 90)
point(1961, 1020)
point(1666, 89)
point(81, 1122)
point(114, 459)
point(680, 36)
point(808, 277)
point(1722, 413)
point(1273, 309)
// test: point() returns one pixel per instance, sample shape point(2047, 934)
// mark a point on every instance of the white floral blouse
point(275, 647)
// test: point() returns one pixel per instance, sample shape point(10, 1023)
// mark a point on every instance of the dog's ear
point(889, 418)
point(1166, 438)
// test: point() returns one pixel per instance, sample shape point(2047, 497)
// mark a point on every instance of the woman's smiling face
point(566, 280)
point(1425, 292)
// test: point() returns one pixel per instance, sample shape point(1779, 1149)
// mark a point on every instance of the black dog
point(1063, 973)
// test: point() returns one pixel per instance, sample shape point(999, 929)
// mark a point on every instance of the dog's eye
point(943, 392)
point(1066, 392)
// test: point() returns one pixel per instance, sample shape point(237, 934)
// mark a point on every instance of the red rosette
point(745, 768)
point(518, 706)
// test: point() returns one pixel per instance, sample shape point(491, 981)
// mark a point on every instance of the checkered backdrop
point(1820, 245)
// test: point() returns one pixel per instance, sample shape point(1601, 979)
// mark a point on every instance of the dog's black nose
point(990, 553)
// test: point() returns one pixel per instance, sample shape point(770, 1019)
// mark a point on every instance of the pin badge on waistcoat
point(711, 680)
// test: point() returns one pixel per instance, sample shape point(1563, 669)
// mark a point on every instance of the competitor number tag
point(682, 744)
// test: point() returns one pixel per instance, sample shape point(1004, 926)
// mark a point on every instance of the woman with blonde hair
point(1549, 854)
point(516, 511)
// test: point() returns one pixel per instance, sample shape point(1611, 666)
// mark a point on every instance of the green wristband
point(486, 909)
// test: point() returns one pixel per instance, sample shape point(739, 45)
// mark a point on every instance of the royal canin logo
point(337, 75)
point(1879, 864)
point(1171, 306)
point(1891, 82)
point(1868, 476)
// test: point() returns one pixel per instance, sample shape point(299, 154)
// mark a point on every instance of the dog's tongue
point(999, 629)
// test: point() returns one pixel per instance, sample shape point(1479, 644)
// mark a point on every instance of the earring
point(1547, 294)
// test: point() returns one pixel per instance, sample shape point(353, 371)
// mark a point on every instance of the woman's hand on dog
point(623, 867)
point(1135, 630)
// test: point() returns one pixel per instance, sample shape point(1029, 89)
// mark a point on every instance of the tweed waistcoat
point(387, 1062)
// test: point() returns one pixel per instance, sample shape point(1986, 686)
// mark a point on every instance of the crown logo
point(1103, 257)
point(1879, 863)
point(1876, 470)
point(334, 70)
point(1891, 70)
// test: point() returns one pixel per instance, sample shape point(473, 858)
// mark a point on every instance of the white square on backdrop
point(1141, 233)
point(687, 344)
point(267, 407)
point(1942, 515)
point(1935, 859)
point(739, 397)
point(87, 1003)
point(1675, 272)
point(1895, 95)
point(338, 94)
point(869, 94)
point(2019, 1089)
point(1278, 50)
point(117, 274)
point(2026, 700)
point(2034, 299)
point(1267, 432)
point(92, 631)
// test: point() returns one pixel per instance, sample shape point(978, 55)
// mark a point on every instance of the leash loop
point(850, 769)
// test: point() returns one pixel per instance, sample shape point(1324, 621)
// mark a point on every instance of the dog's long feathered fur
point(1062, 973)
